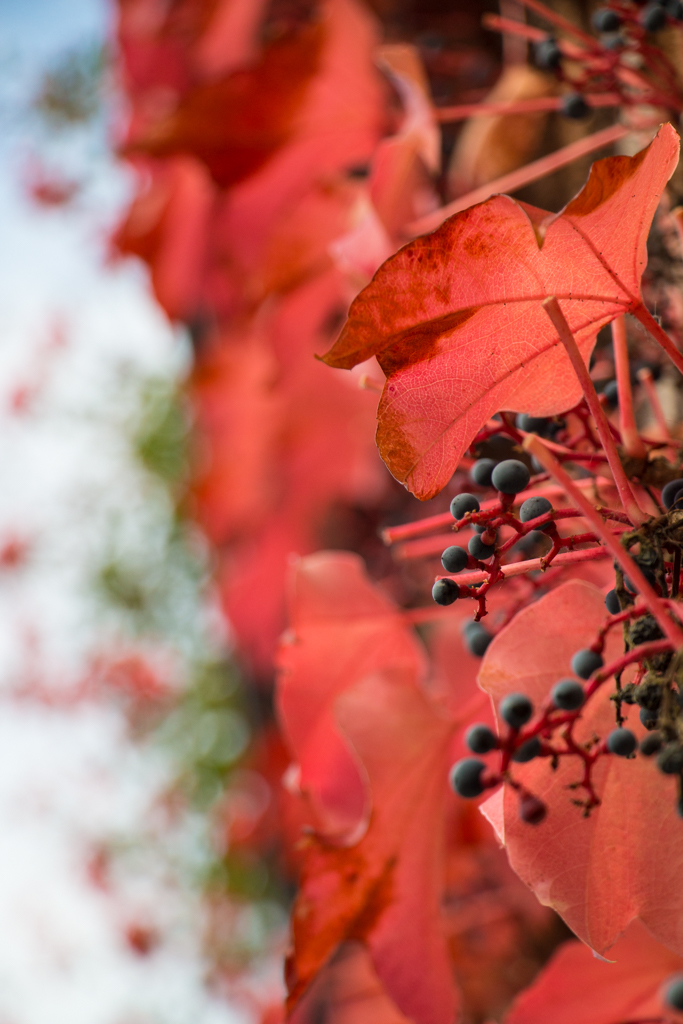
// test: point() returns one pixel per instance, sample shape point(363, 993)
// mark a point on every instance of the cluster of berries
point(509, 478)
point(622, 42)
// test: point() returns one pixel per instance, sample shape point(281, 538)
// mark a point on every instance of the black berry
point(648, 696)
point(612, 602)
point(528, 751)
point(463, 503)
point(531, 424)
point(516, 709)
point(647, 573)
point(674, 8)
point(670, 761)
point(651, 744)
point(547, 55)
point(605, 20)
point(568, 695)
point(454, 559)
point(532, 810)
point(466, 777)
point(532, 508)
point(669, 492)
point(445, 591)
point(677, 504)
point(673, 994)
point(621, 742)
point(650, 719)
point(652, 17)
point(611, 393)
point(574, 106)
point(586, 662)
point(480, 739)
point(510, 476)
point(477, 639)
point(478, 549)
point(480, 473)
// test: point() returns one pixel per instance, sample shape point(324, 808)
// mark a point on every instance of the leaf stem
point(647, 380)
point(552, 308)
point(536, 105)
point(523, 176)
point(659, 334)
point(631, 568)
point(630, 437)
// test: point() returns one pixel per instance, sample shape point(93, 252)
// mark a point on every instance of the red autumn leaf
point(577, 986)
point(625, 860)
point(386, 889)
point(342, 630)
point(455, 317)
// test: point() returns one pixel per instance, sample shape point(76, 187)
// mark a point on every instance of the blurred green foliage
point(71, 91)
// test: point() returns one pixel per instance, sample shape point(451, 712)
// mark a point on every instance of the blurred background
point(191, 193)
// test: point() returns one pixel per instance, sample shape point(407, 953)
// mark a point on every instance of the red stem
point(552, 308)
point(630, 437)
point(530, 565)
point(647, 380)
point(629, 566)
point(538, 104)
point(659, 334)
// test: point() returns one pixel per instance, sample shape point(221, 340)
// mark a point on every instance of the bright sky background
point(69, 779)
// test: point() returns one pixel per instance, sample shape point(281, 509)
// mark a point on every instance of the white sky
point(68, 779)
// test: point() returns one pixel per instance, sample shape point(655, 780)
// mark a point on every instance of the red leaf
point(624, 861)
point(455, 317)
point(577, 986)
point(342, 630)
point(362, 730)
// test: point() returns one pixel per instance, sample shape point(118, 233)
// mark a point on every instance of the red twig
point(647, 380)
point(523, 176)
point(552, 308)
point(536, 105)
point(659, 334)
point(632, 442)
point(529, 565)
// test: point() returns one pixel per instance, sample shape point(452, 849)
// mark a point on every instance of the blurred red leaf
point(456, 322)
point(577, 986)
point(625, 860)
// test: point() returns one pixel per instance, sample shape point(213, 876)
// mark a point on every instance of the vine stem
point(529, 565)
point(632, 441)
point(659, 334)
point(647, 380)
point(670, 629)
point(517, 179)
point(631, 507)
point(537, 104)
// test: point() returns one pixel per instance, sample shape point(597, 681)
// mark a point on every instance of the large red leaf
point(342, 630)
point(386, 889)
point(578, 987)
point(625, 860)
point(455, 317)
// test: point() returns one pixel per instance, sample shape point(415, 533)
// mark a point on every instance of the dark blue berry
point(621, 742)
point(652, 17)
point(445, 591)
point(466, 777)
point(480, 739)
point(586, 662)
point(677, 503)
point(650, 719)
point(510, 476)
point(611, 393)
point(528, 751)
point(480, 473)
point(612, 602)
point(605, 20)
point(547, 55)
point(478, 549)
point(670, 761)
point(574, 106)
point(454, 559)
point(647, 573)
point(531, 424)
point(669, 492)
point(532, 810)
point(568, 695)
point(532, 508)
point(462, 504)
point(516, 709)
point(651, 744)
point(674, 8)
point(477, 639)
point(673, 994)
